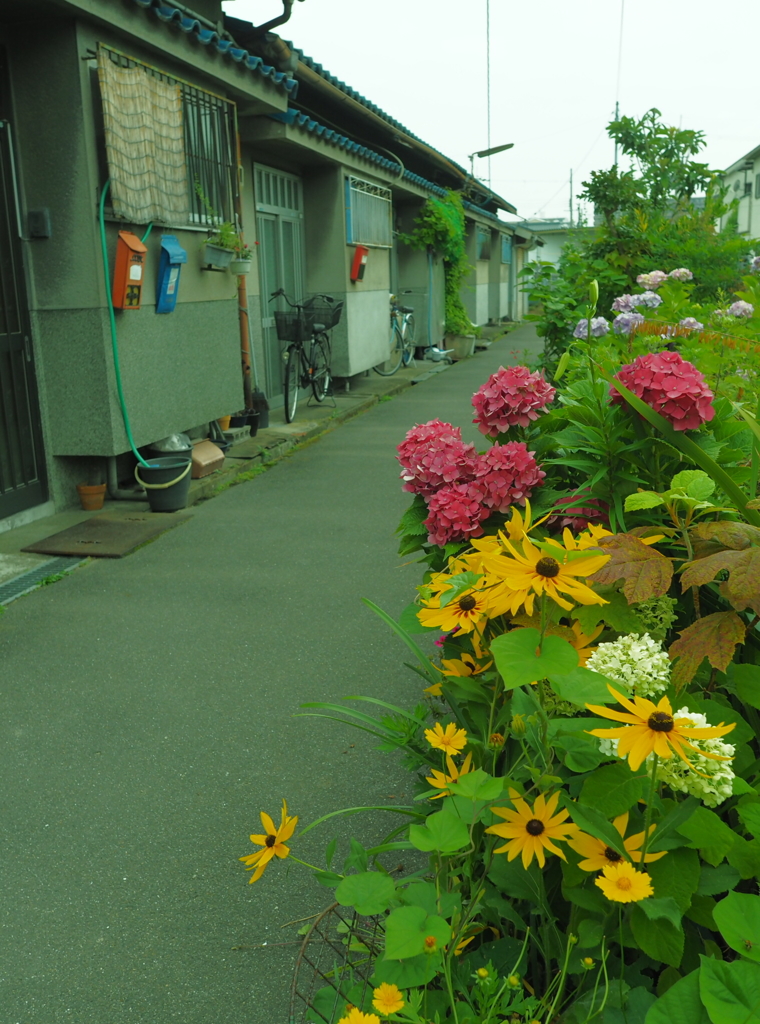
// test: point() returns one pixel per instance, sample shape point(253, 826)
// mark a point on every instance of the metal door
point(22, 475)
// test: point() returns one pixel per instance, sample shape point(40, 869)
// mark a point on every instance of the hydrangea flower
point(454, 513)
point(625, 322)
point(672, 386)
point(505, 476)
point(681, 274)
point(755, 264)
point(652, 280)
point(433, 455)
point(649, 299)
point(623, 304)
point(511, 397)
point(691, 324)
point(741, 308)
point(599, 327)
point(638, 662)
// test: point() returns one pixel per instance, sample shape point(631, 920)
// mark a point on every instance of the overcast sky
point(554, 74)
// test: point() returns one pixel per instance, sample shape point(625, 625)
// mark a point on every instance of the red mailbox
point(130, 270)
point(359, 263)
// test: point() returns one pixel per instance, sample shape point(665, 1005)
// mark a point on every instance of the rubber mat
point(109, 536)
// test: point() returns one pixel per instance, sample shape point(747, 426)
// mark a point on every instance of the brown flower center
point(660, 721)
point(534, 827)
point(270, 841)
point(467, 603)
point(612, 855)
point(547, 566)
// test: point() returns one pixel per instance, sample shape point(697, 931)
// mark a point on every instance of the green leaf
point(409, 622)
point(510, 877)
point(714, 881)
point(443, 832)
point(406, 929)
point(750, 815)
point(582, 753)
point(659, 939)
point(419, 970)
point(613, 789)
point(744, 855)
point(701, 911)
point(616, 613)
point(681, 1004)
point(641, 500)
point(665, 908)
point(746, 678)
point(730, 991)
point(707, 833)
point(676, 875)
point(370, 892)
point(427, 666)
point(459, 584)
point(423, 894)
point(517, 660)
point(697, 484)
point(478, 785)
point(591, 821)
point(672, 820)
point(738, 921)
point(581, 686)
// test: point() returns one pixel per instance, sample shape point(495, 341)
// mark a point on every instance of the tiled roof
point(208, 37)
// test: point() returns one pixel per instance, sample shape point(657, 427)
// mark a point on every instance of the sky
point(557, 68)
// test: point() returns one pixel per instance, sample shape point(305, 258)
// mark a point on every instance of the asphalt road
point(149, 710)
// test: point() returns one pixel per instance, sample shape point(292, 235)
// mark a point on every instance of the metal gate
point(22, 475)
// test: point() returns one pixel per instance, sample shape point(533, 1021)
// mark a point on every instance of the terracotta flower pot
point(224, 422)
point(91, 496)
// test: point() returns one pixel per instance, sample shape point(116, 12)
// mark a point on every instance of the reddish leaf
point(714, 637)
point(704, 570)
point(743, 586)
point(646, 572)
point(709, 538)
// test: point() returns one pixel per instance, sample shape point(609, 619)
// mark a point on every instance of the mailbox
point(130, 270)
point(359, 262)
point(172, 258)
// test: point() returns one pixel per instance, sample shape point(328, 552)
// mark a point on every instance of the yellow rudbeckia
point(530, 830)
point(464, 613)
point(581, 641)
point(440, 780)
point(272, 842)
point(598, 855)
point(464, 666)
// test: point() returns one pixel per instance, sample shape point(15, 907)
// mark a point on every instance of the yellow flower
point(590, 537)
point(587, 963)
point(622, 883)
point(464, 666)
point(582, 640)
point(355, 1016)
point(653, 730)
point(387, 999)
point(462, 945)
point(531, 830)
point(430, 945)
point(463, 613)
point(434, 690)
point(526, 570)
point(451, 740)
point(598, 855)
point(495, 741)
point(441, 781)
point(272, 842)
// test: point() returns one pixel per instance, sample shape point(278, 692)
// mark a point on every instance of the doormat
point(109, 536)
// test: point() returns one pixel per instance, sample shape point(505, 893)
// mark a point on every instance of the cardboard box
point(207, 458)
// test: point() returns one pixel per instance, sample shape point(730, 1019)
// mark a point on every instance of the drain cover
point(109, 536)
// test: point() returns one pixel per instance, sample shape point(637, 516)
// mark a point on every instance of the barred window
point(368, 213)
point(506, 249)
point(483, 243)
point(171, 147)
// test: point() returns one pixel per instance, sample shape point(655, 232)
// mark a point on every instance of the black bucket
point(166, 482)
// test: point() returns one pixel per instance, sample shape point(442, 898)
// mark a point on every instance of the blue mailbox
point(172, 258)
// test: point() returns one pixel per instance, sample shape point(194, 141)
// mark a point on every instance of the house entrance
point(279, 216)
point(22, 474)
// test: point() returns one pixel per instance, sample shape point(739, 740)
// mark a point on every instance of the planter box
point(240, 266)
point(463, 345)
point(215, 256)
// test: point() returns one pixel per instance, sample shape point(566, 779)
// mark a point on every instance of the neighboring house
point(743, 182)
point(161, 99)
point(554, 234)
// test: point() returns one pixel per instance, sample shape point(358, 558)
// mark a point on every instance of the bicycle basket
point(318, 311)
point(292, 326)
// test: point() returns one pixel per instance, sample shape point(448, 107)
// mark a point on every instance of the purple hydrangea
point(755, 264)
point(741, 308)
point(681, 274)
point(599, 327)
point(691, 324)
point(652, 280)
point(625, 323)
point(649, 299)
point(623, 304)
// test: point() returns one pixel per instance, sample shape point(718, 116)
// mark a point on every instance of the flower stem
point(648, 815)
point(306, 864)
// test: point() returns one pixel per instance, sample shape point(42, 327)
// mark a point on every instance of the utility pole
point(617, 116)
point(571, 197)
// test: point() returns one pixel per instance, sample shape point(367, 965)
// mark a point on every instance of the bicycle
point(309, 323)
point(402, 340)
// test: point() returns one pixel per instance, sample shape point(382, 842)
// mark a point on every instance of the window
point(483, 244)
point(368, 213)
point(748, 188)
point(171, 147)
point(757, 186)
point(506, 249)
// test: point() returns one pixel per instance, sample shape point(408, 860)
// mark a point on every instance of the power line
point(576, 169)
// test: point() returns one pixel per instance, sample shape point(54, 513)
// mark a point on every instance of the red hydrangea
point(433, 455)
point(672, 386)
point(454, 513)
point(505, 475)
point(511, 397)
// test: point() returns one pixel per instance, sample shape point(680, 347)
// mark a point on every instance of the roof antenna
point(619, 65)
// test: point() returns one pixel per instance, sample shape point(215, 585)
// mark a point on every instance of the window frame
point(506, 246)
point(482, 243)
point(374, 190)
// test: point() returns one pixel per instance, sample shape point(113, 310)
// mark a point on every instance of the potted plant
point(219, 249)
point(242, 259)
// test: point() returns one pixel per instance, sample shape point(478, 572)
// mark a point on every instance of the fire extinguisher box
point(359, 262)
point(172, 258)
point(129, 273)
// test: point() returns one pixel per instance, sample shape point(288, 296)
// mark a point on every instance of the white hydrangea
point(638, 662)
point(713, 786)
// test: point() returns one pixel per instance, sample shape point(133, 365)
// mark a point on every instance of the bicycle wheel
point(409, 344)
point(292, 382)
point(321, 378)
point(392, 363)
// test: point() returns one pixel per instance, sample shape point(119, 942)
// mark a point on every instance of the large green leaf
point(708, 833)
point(744, 855)
point(676, 875)
point(662, 909)
point(431, 673)
point(714, 881)
point(443, 832)
point(613, 789)
point(659, 939)
point(581, 686)
point(680, 1004)
point(418, 970)
point(591, 821)
point(369, 892)
point(520, 663)
point(746, 678)
point(406, 929)
point(750, 815)
point(730, 991)
point(738, 920)
point(672, 821)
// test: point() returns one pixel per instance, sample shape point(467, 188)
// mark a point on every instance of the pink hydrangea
point(741, 308)
point(681, 274)
point(510, 397)
point(671, 386)
point(433, 455)
point(506, 475)
point(653, 280)
point(454, 514)
point(623, 304)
